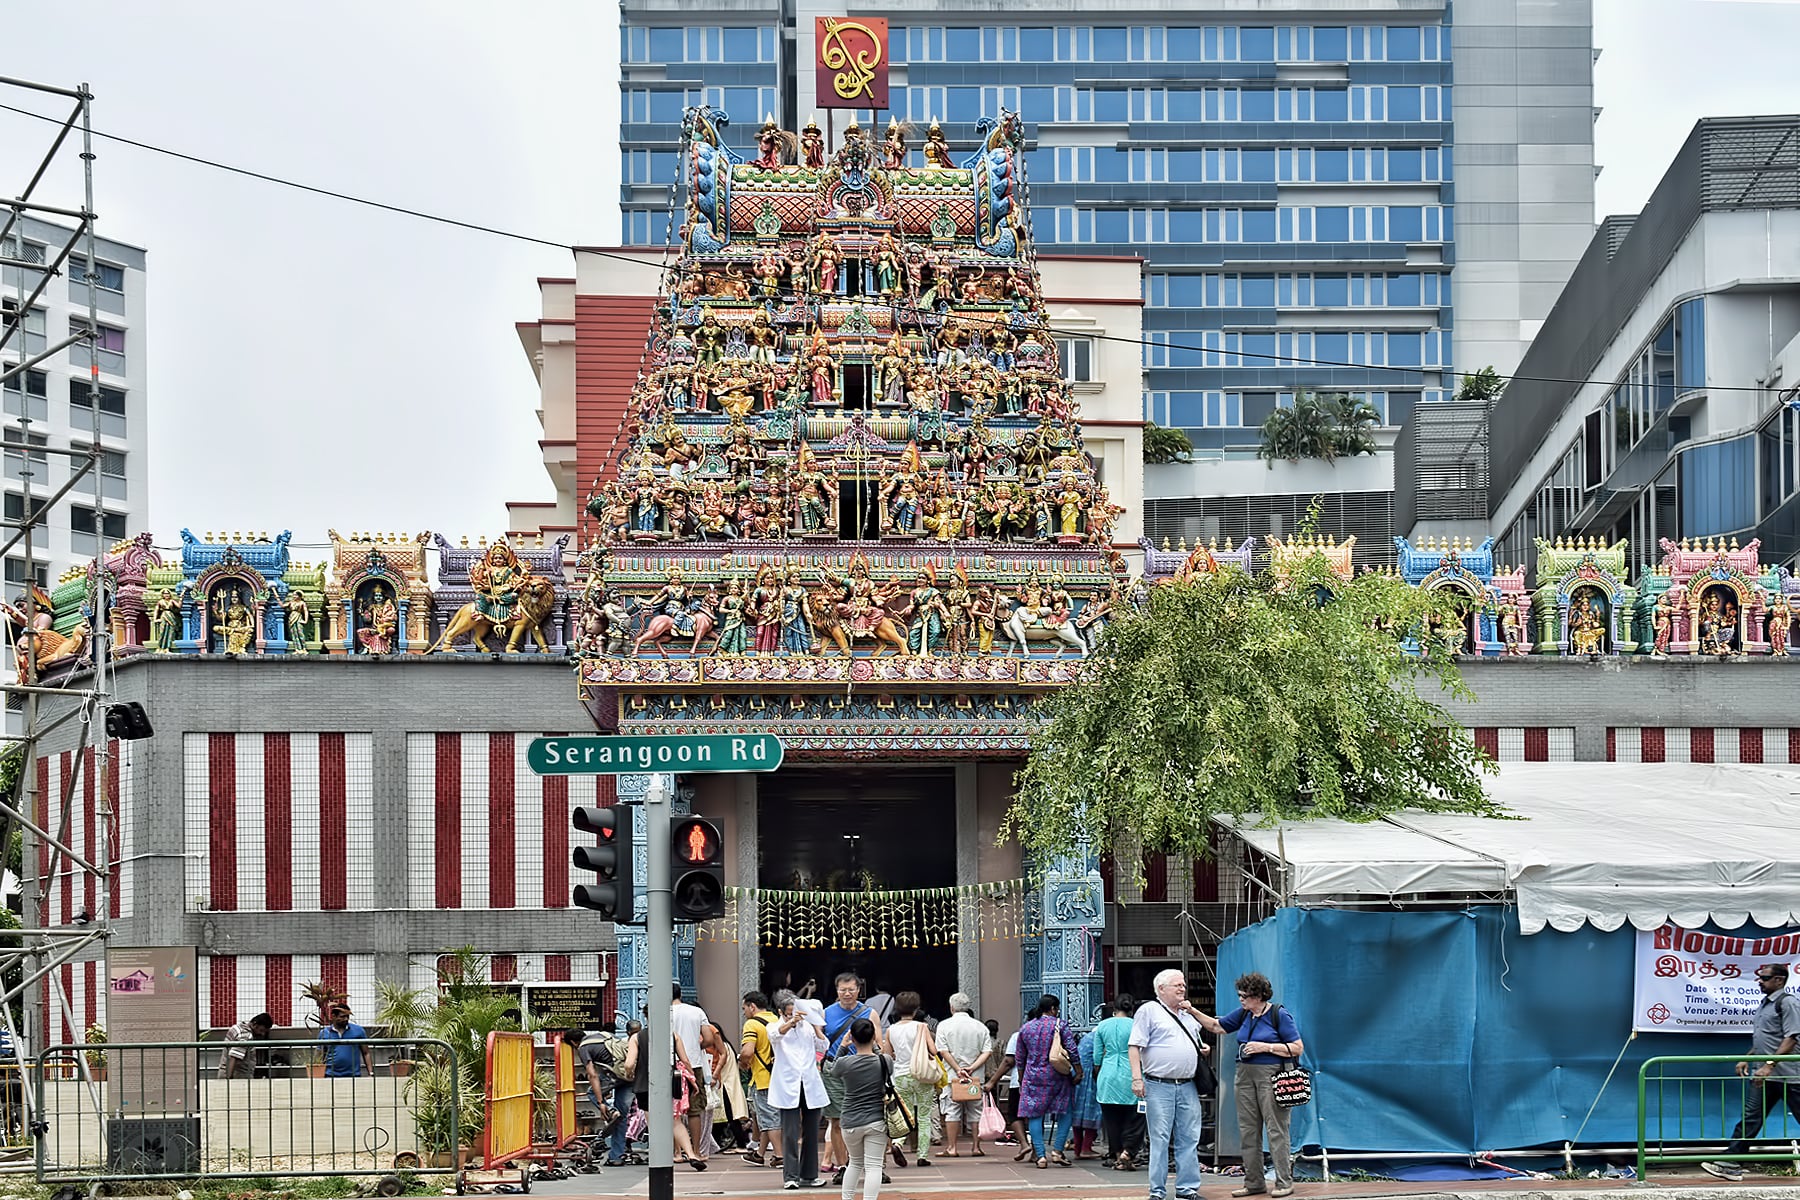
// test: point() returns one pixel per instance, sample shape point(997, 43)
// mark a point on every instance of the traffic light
point(698, 884)
point(610, 858)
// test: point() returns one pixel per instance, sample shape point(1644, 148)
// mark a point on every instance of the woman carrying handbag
point(917, 1069)
point(1047, 1070)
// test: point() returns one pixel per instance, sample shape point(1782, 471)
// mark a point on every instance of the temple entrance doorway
point(861, 828)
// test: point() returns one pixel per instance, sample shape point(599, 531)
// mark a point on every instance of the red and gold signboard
point(851, 61)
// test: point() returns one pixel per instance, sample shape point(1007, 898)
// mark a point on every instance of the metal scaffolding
point(37, 950)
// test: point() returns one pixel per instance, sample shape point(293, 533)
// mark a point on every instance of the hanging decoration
point(879, 920)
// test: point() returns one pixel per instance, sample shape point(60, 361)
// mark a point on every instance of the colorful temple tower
point(855, 509)
point(1498, 607)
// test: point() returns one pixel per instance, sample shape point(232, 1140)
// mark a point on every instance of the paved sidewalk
point(997, 1177)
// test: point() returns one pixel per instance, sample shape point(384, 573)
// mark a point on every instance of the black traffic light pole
point(659, 931)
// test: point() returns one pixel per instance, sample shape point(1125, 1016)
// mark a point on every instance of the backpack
point(610, 1055)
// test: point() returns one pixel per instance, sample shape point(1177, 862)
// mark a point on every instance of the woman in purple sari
point(1043, 1090)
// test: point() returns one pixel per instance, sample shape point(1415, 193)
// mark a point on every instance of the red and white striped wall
point(1529, 743)
point(279, 822)
point(84, 985)
point(486, 832)
point(237, 987)
point(68, 890)
point(1702, 745)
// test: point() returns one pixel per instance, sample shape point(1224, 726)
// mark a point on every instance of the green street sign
point(714, 752)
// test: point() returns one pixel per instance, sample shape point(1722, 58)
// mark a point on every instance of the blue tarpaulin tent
point(1433, 1021)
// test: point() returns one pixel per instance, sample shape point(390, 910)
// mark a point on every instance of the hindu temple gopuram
point(851, 504)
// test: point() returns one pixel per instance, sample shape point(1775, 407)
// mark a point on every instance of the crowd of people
point(828, 1093)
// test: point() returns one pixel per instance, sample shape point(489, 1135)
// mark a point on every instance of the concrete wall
point(1524, 168)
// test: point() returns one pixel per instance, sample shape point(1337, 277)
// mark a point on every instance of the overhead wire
point(680, 272)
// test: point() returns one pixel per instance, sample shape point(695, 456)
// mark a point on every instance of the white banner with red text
point(1693, 982)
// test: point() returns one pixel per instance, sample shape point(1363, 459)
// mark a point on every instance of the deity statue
point(673, 601)
point(1781, 617)
point(825, 265)
point(823, 379)
point(1509, 630)
point(165, 622)
point(646, 504)
point(930, 616)
point(893, 381)
point(945, 520)
point(299, 618)
point(35, 631)
point(234, 621)
point(937, 150)
point(893, 147)
point(768, 146)
point(1040, 512)
point(817, 495)
point(796, 618)
point(734, 635)
point(765, 609)
point(812, 147)
point(496, 581)
point(618, 621)
point(901, 492)
point(762, 340)
point(1069, 503)
point(1587, 630)
point(1718, 627)
point(769, 269)
point(1662, 622)
point(709, 340)
point(984, 616)
point(957, 601)
point(887, 268)
point(380, 618)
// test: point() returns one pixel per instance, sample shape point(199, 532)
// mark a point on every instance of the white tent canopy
point(1597, 843)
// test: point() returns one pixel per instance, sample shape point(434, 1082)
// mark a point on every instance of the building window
point(106, 275)
point(83, 519)
point(35, 382)
point(15, 507)
point(110, 339)
point(15, 574)
point(34, 318)
point(999, 44)
point(31, 252)
point(1077, 358)
point(112, 462)
point(112, 399)
point(16, 460)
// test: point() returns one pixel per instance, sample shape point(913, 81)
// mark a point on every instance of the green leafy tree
point(1165, 445)
point(1354, 423)
point(1238, 694)
point(1484, 386)
point(1327, 427)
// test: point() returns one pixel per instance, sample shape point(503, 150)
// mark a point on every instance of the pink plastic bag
point(637, 1127)
point(993, 1121)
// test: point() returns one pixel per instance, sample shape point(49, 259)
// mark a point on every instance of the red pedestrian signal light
point(697, 889)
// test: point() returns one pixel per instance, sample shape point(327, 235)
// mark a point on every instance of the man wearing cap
point(345, 1062)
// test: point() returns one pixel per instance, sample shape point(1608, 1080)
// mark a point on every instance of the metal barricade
point(1689, 1106)
point(158, 1110)
point(511, 1069)
point(15, 1115)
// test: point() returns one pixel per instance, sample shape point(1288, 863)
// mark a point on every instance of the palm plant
point(467, 1010)
point(1356, 421)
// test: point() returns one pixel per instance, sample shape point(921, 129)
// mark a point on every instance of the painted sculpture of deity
point(1587, 628)
point(299, 621)
point(380, 620)
point(1781, 619)
point(1662, 622)
point(734, 632)
point(165, 622)
point(234, 621)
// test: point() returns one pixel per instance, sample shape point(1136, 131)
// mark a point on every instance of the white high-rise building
point(54, 403)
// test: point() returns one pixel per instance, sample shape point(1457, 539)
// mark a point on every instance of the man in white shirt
point(685, 1022)
point(966, 1045)
point(1165, 1055)
point(796, 1089)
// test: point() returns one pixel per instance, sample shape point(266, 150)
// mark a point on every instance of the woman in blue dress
point(1043, 1090)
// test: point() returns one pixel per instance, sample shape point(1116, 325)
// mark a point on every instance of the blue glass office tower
point(1354, 197)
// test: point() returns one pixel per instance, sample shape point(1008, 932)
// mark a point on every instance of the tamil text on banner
point(850, 58)
point(1693, 982)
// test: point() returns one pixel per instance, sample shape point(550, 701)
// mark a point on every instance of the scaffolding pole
point(40, 951)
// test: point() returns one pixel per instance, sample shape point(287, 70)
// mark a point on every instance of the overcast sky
point(315, 364)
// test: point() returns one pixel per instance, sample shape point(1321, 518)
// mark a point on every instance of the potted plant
point(96, 1059)
point(402, 1012)
point(467, 1010)
point(322, 996)
point(315, 1062)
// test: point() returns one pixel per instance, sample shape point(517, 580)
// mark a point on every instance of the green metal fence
point(160, 1110)
point(1688, 1103)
